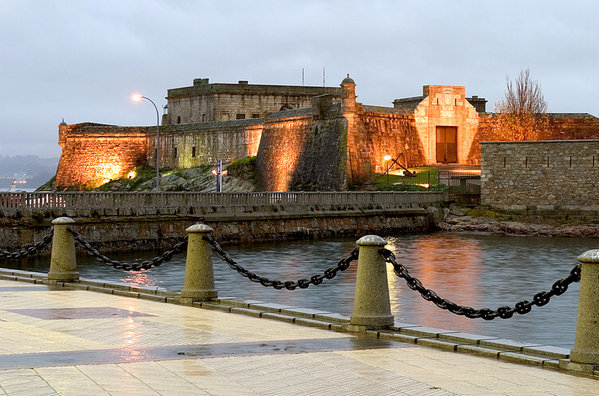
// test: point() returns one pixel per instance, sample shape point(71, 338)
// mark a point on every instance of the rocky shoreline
point(458, 222)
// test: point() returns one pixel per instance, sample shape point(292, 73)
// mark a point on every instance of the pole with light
point(138, 98)
point(387, 158)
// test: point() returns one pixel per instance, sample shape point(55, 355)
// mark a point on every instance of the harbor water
point(473, 269)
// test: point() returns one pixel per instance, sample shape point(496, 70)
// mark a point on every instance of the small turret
point(348, 86)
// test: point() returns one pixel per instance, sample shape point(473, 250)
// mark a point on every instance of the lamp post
point(387, 158)
point(138, 98)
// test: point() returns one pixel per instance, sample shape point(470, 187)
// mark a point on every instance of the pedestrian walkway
point(56, 340)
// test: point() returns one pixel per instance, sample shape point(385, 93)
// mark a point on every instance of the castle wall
point(94, 154)
point(373, 135)
point(191, 145)
point(204, 102)
point(544, 175)
point(281, 147)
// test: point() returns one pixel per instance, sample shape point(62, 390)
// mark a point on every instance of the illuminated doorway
point(447, 146)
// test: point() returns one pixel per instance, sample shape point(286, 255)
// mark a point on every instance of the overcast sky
point(82, 59)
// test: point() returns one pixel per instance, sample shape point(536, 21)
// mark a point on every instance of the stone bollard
point(371, 302)
point(586, 344)
point(63, 262)
point(199, 275)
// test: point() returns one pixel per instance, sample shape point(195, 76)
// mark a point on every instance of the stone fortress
point(304, 137)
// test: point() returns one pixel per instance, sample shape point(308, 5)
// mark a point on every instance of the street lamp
point(138, 98)
point(387, 158)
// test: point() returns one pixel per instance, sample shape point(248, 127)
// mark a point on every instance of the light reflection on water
point(477, 270)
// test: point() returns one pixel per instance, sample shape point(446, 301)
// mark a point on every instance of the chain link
point(505, 312)
point(315, 280)
point(155, 262)
point(29, 250)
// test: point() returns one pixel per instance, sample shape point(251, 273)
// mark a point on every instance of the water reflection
point(446, 264)
point(471, 269)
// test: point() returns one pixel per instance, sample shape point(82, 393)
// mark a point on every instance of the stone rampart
point(373, 135)
point(93, 154)
point(190, 145)
point(540, 175)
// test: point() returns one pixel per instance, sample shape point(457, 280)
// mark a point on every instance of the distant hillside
point(32, 168)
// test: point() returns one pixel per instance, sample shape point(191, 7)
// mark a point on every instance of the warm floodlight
point(387, 157)
point(136, 97)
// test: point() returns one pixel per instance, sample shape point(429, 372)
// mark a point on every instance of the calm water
point(471, 269)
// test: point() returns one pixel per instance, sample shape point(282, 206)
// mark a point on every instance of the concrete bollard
point(63, 262)
point(199, 274)
point(371, 302)
point(586, 344)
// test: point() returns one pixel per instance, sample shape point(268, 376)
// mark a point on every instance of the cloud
point(82, 59)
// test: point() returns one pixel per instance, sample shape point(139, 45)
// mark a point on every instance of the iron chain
point(505, 312)
point(329, 273)
point(29, 250)
point(155, 262)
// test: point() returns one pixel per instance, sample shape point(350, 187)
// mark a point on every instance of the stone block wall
point(283, 141)
point(562, 126)
point(191, 145)
point(542, 175)
point(93, 154)
point(373, 135)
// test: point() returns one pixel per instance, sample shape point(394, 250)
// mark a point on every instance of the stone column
point(63, 262)
point(586, 344)
point(371, 302)
point(199, 274)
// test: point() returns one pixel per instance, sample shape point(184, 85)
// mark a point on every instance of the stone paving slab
point(168, 349)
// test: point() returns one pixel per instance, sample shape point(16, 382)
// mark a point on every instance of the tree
point(522, 114)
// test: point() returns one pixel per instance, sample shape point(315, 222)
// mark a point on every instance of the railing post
point(199, 274)
point(586, 344)
point(372, 308)
point(63, 262)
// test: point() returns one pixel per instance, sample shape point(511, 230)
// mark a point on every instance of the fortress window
point(193, 152)
point(203, 117)
point(175, 153)
point(240, 116)
point(178, 119)
point(255, 115)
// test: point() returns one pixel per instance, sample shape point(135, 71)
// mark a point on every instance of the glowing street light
point(387, 158)
point(138, 98)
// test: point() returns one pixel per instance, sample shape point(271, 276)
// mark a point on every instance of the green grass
point(424, 175)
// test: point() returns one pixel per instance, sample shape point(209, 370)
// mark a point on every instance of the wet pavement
point(72, 342)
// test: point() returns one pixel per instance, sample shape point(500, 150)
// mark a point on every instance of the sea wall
point(161, 232)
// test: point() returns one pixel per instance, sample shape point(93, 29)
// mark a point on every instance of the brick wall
point(541, 175)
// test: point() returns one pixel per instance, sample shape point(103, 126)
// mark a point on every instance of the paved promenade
point(77, 342)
